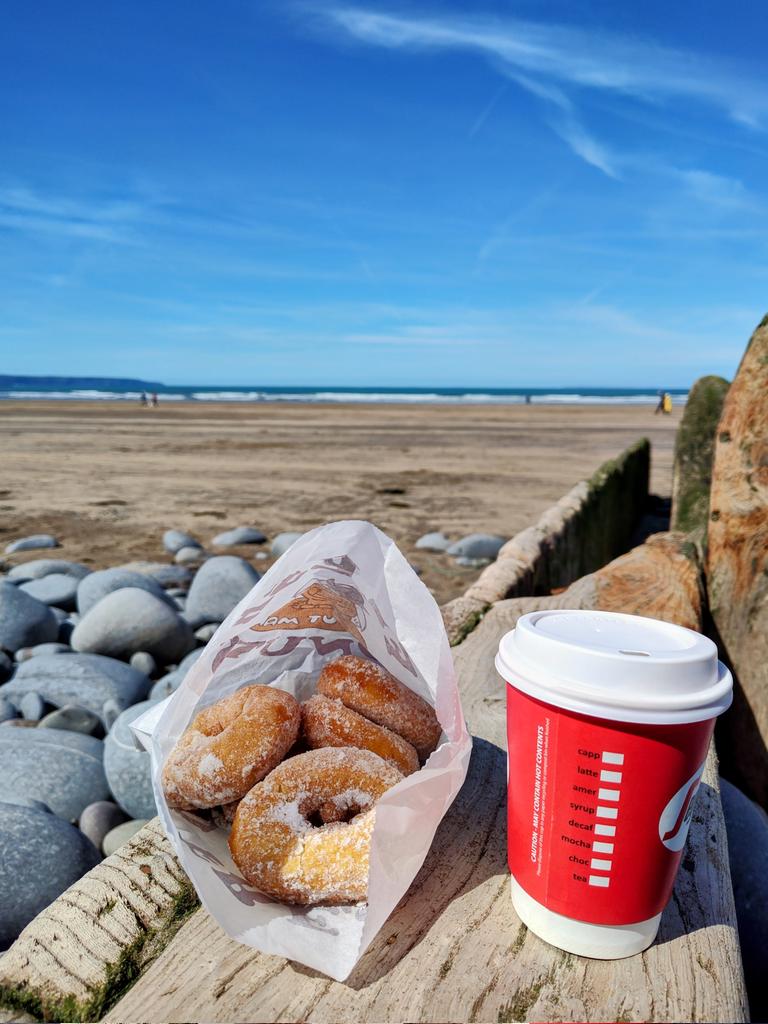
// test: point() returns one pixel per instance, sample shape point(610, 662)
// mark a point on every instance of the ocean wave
point(76, 395)
point(581, 399)
point(358, 397)
point(228, 396)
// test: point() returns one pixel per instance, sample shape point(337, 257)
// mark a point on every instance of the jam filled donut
point(328, 723)
point(367, 688)
point(230, 746)
point(303, 834)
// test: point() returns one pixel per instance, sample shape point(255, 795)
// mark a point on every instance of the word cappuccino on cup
point(609, 718)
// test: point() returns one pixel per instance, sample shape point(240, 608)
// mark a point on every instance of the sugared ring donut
point(231, 746)
point(328, 723)
point(370, 690)
point(282, 852)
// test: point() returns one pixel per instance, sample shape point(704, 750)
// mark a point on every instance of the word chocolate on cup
point(609, 718)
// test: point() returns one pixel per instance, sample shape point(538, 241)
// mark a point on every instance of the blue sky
point(479, 194)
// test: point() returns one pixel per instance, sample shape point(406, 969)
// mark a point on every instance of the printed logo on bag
point(327, 605)
point(676, 817)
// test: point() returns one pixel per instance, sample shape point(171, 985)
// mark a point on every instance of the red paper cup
point(609, 718)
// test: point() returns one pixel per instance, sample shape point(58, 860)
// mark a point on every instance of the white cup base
point(598, 941)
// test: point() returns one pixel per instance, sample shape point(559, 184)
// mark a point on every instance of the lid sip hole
point(639, 654)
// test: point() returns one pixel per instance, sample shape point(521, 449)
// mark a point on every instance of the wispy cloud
point(717, 189)
point(585, 145)
point(584, 58)
point(23, 209)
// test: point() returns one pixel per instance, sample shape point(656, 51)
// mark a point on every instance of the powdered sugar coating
point(328, 723)
point(371, 691)
point(278, 849)
point(230, 746)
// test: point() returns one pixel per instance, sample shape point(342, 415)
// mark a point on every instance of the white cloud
point(22, 209)
point(717, 189)
point(584, 145)
point(589, 59)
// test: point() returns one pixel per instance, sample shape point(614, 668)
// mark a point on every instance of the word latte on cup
point(609, 718)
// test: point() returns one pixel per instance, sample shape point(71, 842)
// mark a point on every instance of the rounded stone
point(54, 589)
point(110, 713)
point(25, 653)
point(169, 683)
point(99, 818)
point(161, 572)
point(6, 667)
point(282, 542)
point(128, 768)
point(26, 801)
point(477, 545)
point(24, 621)
point(189, 556)
point(39, 567)
point(747, 826)
point(35, 540)
point(98, 585)
point(175, 540)
point(32, 707)
point(72, 719)
point(433, 542)
point(240, 535)
point(204, 633)
point(42, 856)
point(220, 584)
point(62, 769)
point(66, 628)
point(120, 835)
point(7, 710)
point(143, 661)
point(86, 680)
point(473, 563)
point(131, 620)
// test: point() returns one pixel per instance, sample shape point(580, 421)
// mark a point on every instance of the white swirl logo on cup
point(676, 817)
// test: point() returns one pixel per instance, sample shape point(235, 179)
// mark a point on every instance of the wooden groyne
point(584, 530)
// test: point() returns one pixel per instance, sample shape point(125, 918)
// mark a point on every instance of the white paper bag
point(341, 589)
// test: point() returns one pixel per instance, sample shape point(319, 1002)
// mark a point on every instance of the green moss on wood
point(517, 1008)
point(471, 621)
point(694, 451)
point(118, 976)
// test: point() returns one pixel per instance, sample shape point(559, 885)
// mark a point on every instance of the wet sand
point(107, 479)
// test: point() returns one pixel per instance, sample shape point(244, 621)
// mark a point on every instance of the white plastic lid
point(624, 667)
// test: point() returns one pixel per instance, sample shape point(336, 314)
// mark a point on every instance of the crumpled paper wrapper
point(341, 589)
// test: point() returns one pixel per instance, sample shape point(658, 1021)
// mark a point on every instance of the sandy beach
point(107, 479)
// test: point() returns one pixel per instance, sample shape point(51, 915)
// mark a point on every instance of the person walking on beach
point(665, 404)
point(143, 400)
point(155, 402)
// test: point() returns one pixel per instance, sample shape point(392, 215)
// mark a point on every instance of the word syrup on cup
point(609, 719)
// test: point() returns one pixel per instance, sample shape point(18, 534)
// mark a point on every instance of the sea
point(106, 389)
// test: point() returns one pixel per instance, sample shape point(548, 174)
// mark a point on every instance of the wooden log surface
point(73, 959)
point(454, 950)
